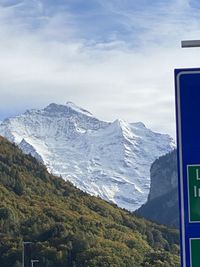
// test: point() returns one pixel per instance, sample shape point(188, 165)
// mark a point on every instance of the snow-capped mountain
point(108, 159)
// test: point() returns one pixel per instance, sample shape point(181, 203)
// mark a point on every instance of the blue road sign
point(187, 84)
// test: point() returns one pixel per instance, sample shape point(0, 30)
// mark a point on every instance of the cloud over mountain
point(113, 57)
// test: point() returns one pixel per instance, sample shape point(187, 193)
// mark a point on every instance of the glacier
point(111, 160)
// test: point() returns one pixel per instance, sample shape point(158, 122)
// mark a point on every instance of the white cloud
point(46, 61)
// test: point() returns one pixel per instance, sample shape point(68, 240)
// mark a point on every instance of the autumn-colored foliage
point(68, 227)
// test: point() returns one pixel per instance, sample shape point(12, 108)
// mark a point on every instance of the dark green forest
point(69, 228)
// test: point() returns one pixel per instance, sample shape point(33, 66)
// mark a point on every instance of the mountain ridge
point(108, 159)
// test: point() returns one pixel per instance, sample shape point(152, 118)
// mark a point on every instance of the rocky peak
point(68, 109)
point(111, 160)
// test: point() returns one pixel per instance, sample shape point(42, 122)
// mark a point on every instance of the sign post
point(187, 83)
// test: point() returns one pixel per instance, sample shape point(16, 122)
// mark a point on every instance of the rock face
point(163, 175)
point(162, 204)
point(108, 159)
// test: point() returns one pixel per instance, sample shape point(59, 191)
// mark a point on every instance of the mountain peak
point(73, 106)
point(122, 127)
point(119, 122)
point(111, 160)
point(138, 124)
point(53, 107)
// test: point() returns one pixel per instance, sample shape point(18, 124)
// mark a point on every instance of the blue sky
point(112, 57)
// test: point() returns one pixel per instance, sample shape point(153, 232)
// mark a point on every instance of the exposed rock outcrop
point(162, 204)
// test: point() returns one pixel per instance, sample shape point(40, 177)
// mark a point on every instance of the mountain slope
point(110, 160)
point(68, 227)
point(162, 205)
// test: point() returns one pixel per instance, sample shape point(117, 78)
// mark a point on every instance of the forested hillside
point(69, 228)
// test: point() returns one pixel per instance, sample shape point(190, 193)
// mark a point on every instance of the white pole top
point(190, 43)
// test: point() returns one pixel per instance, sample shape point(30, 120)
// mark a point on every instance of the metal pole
point(23, 253)
point(190, 43)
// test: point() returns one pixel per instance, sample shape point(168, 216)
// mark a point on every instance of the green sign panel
point(193, 174)
point(194, 252)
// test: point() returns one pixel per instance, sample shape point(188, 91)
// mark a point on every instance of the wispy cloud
point(115, 57)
